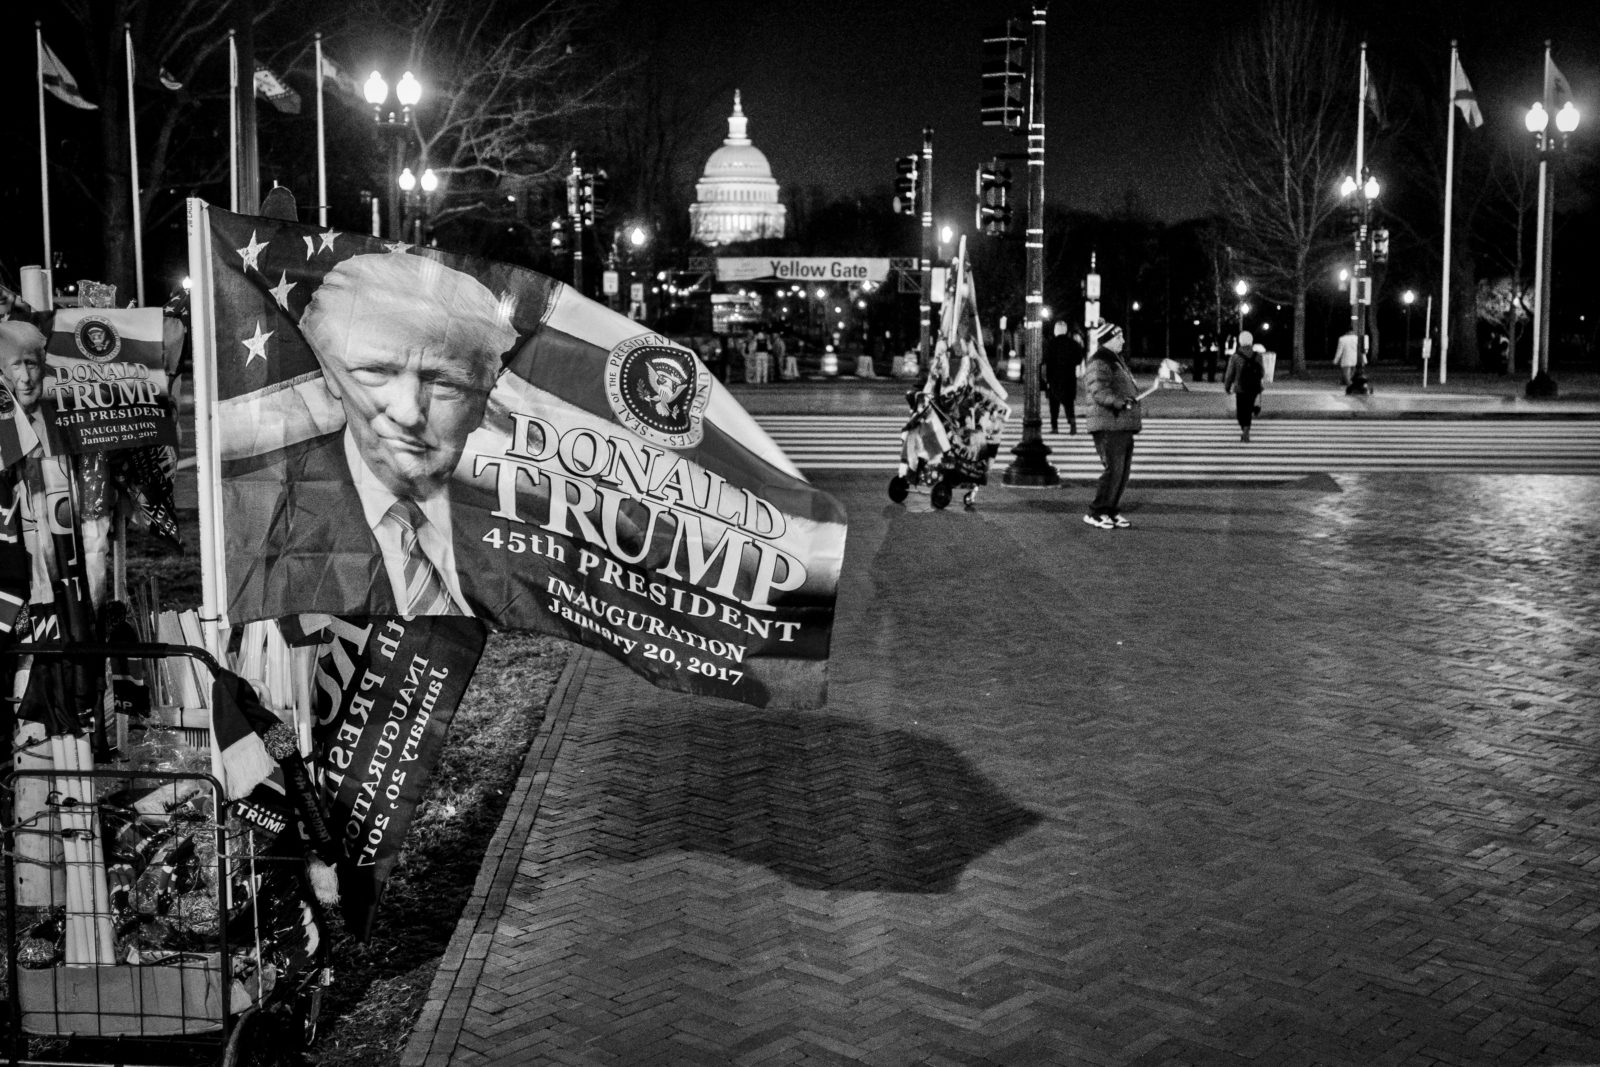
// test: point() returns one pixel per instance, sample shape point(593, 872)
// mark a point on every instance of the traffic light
point(1380, 245)
point(994, 194)
point(597, 191)
point(577, 196)
point(906, 180)
point(1004, 75)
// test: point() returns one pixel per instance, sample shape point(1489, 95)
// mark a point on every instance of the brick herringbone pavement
point(1302, 776)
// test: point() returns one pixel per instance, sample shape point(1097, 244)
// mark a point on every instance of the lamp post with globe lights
point(407, 93)
point(1408, 298)
point(1240, 288)
point(1541, 384)
point(419, 201)
point(1361, 196)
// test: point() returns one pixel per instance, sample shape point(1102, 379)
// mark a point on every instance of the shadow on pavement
point(824, 802)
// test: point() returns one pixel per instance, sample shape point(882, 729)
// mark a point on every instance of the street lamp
point(407, 93)
point(1408, 298)
point(1541, 384)
point(1360, 280)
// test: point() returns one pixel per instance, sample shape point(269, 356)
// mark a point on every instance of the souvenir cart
point(164, 856)
point(148, 917)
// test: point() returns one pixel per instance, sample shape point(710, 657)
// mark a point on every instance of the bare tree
point(1278, 138)
point(508, 85)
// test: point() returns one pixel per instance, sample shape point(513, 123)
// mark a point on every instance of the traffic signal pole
point(1030, 467)
point(925, 266)
point(575, 207)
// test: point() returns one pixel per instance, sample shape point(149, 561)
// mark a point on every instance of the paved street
point(1290, 775)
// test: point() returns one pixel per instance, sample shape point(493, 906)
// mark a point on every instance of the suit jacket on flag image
point(575, 474)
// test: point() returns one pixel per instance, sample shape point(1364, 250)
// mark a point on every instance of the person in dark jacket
point(1113, 419)
point(1244, 378)
point(1062, 354)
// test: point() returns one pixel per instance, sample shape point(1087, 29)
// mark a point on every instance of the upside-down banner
point(402, 431)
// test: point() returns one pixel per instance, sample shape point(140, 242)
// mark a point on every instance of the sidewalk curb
point(437, 1030)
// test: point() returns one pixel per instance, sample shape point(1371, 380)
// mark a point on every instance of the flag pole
point(233, 123)
point(44, 159)
point(322, 153)
point(1541, 276)
point(205, 354)
point(133, 172)
point(1449, 216)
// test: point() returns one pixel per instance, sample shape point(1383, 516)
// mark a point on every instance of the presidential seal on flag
point(97, 338)
point(658, 390)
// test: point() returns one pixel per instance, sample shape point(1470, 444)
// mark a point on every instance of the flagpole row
point(133, 171)
point(233, 125)
point(44, 157)
point(322, 152)
point(1449, 215)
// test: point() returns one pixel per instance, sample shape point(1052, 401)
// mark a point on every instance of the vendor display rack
point(148, 919)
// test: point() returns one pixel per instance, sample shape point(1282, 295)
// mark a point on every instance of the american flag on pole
point(575, 473)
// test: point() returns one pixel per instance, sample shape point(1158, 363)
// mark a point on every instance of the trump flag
point(403, 431)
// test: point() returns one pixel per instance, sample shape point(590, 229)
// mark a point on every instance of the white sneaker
point(1102, 521)
point(1119, 522)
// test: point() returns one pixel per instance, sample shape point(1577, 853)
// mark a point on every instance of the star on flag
point(280, 292)
point(396, 246)
point(251, 252)
point(327, 237)
point(257, 345)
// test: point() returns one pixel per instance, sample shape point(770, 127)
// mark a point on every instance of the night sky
point(836, 90)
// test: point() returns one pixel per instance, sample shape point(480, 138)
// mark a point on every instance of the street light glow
point(408, 90)
point(1409, 297)
point(1371, 188)
point(1567, 118)
point(408, 181)
point(430, 180)
point(945, 234)
point(1242, 287)
point(1537, 118)
point(376, 89)
point(637, 236)
point(1347, 186)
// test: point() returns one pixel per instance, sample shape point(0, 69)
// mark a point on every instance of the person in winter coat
point(1113, 418)
point(1244, 378)
point(1062, 354)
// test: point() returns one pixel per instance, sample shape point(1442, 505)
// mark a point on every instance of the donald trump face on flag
point(411, 349)
point(22, 363)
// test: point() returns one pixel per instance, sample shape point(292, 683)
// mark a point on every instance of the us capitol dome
point(736, 198)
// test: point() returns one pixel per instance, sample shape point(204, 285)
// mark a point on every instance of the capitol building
point(736, 198)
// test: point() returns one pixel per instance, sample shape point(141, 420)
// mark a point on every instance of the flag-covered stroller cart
point(958, 412)
point(149, 919)
point(947, 445)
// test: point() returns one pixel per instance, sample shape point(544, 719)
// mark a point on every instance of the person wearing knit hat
point(1113, 419)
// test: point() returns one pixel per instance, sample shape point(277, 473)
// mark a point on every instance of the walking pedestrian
point(1244, 378)
point(1113, 419)
point(1062, 355)
point(1345, 356)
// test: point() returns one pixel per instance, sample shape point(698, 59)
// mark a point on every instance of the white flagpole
point(233, 123)
point(203, 334)
point(133, 172)
point(44, 161)
point(1540, 277)
point(1449, 216)
point(322, 152)
point(1361, 120)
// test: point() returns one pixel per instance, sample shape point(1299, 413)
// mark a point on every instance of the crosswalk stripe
point(1210, 448)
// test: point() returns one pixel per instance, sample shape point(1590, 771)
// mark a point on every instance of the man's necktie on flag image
point(611, 492)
